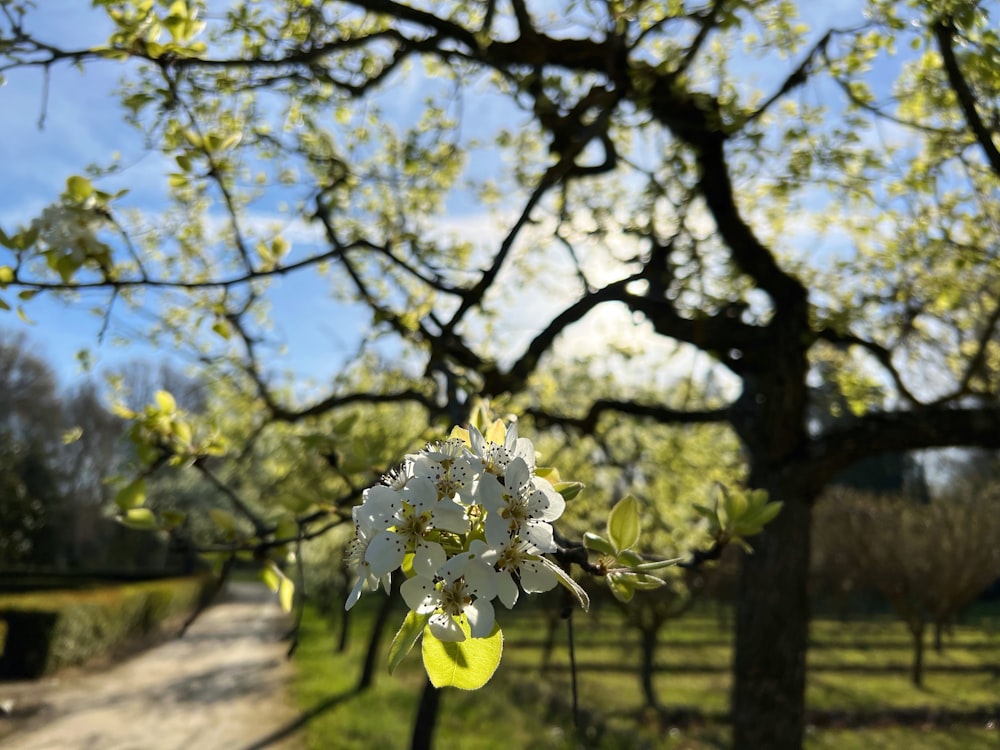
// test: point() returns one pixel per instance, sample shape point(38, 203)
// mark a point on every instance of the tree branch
point(944, 31)
point(929, 427)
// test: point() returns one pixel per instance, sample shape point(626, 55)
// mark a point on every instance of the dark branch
point(658, 413)
point(944, 31)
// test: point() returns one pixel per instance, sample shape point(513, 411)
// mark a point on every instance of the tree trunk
point(939, 629)
point(917, 672)
point(648, 666)
point(427, 713)
point(345, 627)
point(375, 640)
point(772, 629)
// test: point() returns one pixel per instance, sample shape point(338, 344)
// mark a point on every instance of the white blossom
point(523, 506)
point(467, 587)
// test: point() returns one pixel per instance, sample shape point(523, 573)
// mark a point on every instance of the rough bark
point(772, 624)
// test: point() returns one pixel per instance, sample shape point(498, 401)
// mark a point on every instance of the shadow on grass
point(304, 718)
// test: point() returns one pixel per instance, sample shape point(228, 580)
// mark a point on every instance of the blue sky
point(83, 124)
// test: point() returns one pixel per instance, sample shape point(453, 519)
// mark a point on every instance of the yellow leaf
point(468, 664)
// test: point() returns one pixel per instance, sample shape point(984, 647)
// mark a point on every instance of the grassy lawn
point(858, 669)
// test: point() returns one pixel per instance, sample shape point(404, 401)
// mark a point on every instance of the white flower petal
point(385, 553)
point(450, 516)
point(420, 594)
point(379, 505)
point(517, 476)
point(445, 628)
point(452, 570)
point(498, 530)
point(545, 503)
point(477, 441)
point(481, 617)
point(428, 557)
point(481, 579)
point(355, 594)
point(480, 550)
point(507, 591)
point(491, 493)
point(536, 577)
point(510, 437)
point(421, 493)
point(525, 450)
point(539, 534)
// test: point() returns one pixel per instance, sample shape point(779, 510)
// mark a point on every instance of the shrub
point(44, 632)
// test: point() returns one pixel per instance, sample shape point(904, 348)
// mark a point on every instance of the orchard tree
point(929, 560)
point(785, 196)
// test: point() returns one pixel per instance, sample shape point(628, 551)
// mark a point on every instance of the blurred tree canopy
point(737, 193)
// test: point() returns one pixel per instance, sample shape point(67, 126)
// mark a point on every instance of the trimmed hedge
point(43, 632)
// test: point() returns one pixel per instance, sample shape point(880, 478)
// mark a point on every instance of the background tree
point(929, 560)
point(663, 160)
point(31, 427)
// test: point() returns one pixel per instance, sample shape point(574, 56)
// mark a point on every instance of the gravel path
point(221, 687)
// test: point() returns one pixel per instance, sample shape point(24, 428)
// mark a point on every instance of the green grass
point(858, 668)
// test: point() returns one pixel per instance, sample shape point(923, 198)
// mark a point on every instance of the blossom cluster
point(469, 521)
point(71, 229)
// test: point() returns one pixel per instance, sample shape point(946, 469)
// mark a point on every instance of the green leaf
point(132, 495)
point(763, 516)
point(468, 664)
point(223, 519)
point(569, 490)
point(6, 276)
point(222, 328)
point(623, 523)
point(629, 558)
point(735, 503)
point(640, 581)
point(598, 544)
point(139, 518)
point(286, 594)
point(166, 402)
point(280, 247)
point(72, 435)
point(659, 564)
point(566, 580)
point(79, 188)
point(271, 577)
point(172, 519)
point(620, 587)
point(406, 637)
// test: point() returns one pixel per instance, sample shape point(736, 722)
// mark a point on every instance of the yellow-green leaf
point(79, 188)
point(132, 495)
point(139, 518)
point(223, 519)
point(406, 637)
point(286, 594)
point(623, 523)
point(72, 435)
point(166, 402)
point(468, 664)
point(271, 577)
point(597, 543)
